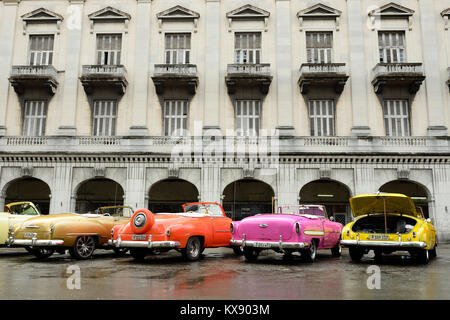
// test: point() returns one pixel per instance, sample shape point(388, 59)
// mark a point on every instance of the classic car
point(81, 234)
point(388, 222)
point(15, 212)
point(294, 228)
point(201, 225)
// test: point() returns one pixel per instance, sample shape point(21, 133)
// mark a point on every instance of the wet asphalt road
point(221, 275)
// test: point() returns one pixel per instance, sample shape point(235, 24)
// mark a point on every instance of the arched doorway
point(332, 194)
point(29, 189)
point(169, 194)
point(96, 193)
point(412, 189)
point(247, 197)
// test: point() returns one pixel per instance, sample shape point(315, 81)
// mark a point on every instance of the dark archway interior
point(96, 193)
point(418, 193)
point(332, 194)
point(247, 197)
point(170, 194)
point(30, 189)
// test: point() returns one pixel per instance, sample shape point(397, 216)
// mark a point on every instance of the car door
point(222, 233)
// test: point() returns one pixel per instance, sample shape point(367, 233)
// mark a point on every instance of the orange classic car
point(201, 225)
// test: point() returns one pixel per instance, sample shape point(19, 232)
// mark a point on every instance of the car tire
point(193, 249)
point(138, 254)
point(42, 253)
point(83, 248)
point(378, 255)
point(309, 255)
point(120, 251)
point(251, 254)
point(337, 250)
point(355, 254)
point(239, 251)
point(423, 256)
point(29, 249)
point(433, 252)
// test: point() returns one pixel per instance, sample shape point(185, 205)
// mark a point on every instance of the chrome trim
point(143, 244)
point(376, 243)
point(269, 244)
point(34, 242)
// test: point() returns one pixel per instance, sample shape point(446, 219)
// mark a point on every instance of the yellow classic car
point(388, 222)
point(81, 234)
point(15, 212)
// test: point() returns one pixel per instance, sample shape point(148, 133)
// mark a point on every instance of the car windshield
point(209, 209)
point(125, 212)
point(298, 210)
point(24, 209)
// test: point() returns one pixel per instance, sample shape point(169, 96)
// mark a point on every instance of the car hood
point(379, 202)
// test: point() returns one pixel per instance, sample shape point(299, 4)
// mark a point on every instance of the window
point(319, 47)
point(321, 117)
point(396, 117)
point(248, 117)
point(41, 50)
point(392, 47)
point(178, 48)
point(175, 117)
point(35, 113)
point(104, 119)
point(247, 47)
point(108, 49)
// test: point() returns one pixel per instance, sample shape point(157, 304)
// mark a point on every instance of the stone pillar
point(439, 206)
point(211, 114)
point(284, 68)
point(72, 69)
point(358, 70)
point(210, 183)
point(135, 187)
point(61, 189)
point(432, 69)
point(141, 69)
point(7, 32)
point(287, 193)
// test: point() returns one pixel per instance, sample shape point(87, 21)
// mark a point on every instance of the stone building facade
point(253, 104)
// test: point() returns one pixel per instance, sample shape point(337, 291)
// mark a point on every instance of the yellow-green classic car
point(15, 212)
point(388, 222)
point(81, 234)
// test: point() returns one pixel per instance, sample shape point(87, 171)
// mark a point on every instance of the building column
point(284, 69)
point(287, 193)
point(141, 69)
point(61, 189)
point(135, 186)
point(432, 68)
point(358, 79)
point(71, 82)
point(210, 183)
point(211, 114)
point(439, 205)
point(7, 32)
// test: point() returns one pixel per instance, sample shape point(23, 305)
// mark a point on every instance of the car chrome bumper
point(377, 243)
point(143, 244)
point(268, 244)
point(34, 242)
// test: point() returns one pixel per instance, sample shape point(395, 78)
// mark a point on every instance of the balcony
point(322, 74)
point(254, 75)
point(408, 75)
point(113, 76)
point(175, 75)
point(23, 77)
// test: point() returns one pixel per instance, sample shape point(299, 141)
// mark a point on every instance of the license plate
point(28, 235)
point(262, 245)
point(139, 237)
point(378, 237)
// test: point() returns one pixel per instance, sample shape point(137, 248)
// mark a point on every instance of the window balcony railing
point(189, 70)
point(30, 76)
point(114, 76)
point(323, 69)
point(114, 71)
point(257, 69)
point(258, 75)
point(399, 74)
point(320, 74)
point(175, 75)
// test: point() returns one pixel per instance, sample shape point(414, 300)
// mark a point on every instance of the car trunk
point(376, 224)
point(267, 228)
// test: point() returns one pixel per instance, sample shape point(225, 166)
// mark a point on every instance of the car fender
point(69, 230)
point(183, 231)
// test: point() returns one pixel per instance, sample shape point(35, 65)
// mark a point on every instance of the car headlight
point(112, 232)
point(139, 220)
point(297, 228)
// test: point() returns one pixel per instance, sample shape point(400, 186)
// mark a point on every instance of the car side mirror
point(331, 218)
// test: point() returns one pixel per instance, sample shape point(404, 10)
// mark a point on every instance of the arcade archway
point(29, 189)
point(96, 193)
point(169, 194)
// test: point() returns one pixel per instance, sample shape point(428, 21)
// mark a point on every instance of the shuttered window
point(321, 117)
point(35, 114)
point(41, 50)
point(396, 117)
point(175, 117)
point(319, 47)
point(109, 49)
point(178, 48)
point(391, 47)
point(247, 47)
point(104, 118)
point(248, 117)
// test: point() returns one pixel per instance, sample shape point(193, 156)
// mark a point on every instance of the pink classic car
point(301, 228)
